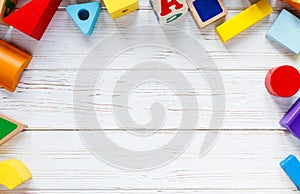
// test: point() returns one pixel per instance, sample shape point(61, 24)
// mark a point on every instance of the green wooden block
point(8, 128)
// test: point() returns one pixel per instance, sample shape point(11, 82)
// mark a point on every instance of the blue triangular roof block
point(85, 15)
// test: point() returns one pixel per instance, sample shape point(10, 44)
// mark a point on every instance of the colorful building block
point(34, 17)
point(294, 3)
point(13, 173)
point(291, 166)
point(119, 8)
point(291, 119)
point(9, 128)
point(286, 31)
point(244, 20)
point(206, 12)
point(283, 81)
point(13, 61)
point(85, 16)
point(6, 8)
point(168, 11)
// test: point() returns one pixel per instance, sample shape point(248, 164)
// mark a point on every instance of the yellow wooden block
point(6, 8)
point(13, 173)
point(119, 8)
point(244, 20)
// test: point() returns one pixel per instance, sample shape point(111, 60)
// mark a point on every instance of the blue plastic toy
point(85, 15)
point(286, 31)
point(291, 166)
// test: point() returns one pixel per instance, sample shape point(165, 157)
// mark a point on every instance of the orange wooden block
point(294, 3)
point(34, 17)
point(6, 8)
point(13, 61)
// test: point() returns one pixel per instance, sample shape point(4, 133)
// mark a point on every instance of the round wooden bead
point(283, 81)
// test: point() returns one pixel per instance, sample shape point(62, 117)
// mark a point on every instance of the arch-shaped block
point(13, 173)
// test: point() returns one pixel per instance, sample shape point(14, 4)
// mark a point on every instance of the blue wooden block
point(291, 166)
point(85, 15)
point(286, 31)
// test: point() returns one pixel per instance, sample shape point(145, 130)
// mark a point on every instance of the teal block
point(85, 15)
point(286, 31)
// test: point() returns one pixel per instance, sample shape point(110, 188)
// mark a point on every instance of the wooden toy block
point(6, 8)
point(34, 17)
point(291, 166)
point(85, 15)
point(9, 128)
point(294, 3)
point(291, 119)
point(13, 61)
point(244, 20)
point(283, 81)
point(206, 12)
point(119, 8)
point(285, 31)
point(167, 11)
point(13, 173)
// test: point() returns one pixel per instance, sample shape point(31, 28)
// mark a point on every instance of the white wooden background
point(244, 160)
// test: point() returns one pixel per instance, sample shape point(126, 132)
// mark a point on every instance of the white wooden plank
point(64, 46)
point(44, 99)
point(240, 161)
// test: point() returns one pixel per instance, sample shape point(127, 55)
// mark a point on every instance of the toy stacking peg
point(13, 61)
point(291, 119)
point(283, 81)
point(119, 8)
point(167, 11)
point(13, 173)
point(291, 166)
point(6, 8)
point(206, 12)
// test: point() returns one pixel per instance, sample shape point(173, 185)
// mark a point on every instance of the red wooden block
point(283, 81)
point(34, 17)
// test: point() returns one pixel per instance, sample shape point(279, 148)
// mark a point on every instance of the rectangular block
point(291, 119)
point(294, 3)
point(8, 128)
point(244, 20)
point(6, 8)
point(291, 166)
point(286, 31)
point(167, 11)
point(206, 12)
point(119, 8)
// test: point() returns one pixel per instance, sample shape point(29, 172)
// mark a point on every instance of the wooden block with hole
point(6, 8)
point(9, 128)
point(206, 12)
point(168, 11)
point(119, 8)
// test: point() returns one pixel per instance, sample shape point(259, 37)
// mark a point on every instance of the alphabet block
point(244, 20)
point(206, 12)
point(13, 61)
point(119, 8)
point(34, 17)
point(13, 173)
point(291, 166)
point(291, 120)
point(167, 11)
point(6, 8)
point(285, 31)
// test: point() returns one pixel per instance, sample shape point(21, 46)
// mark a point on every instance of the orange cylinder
point(13, 61)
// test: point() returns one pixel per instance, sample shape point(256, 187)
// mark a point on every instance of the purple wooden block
point(291, 120)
